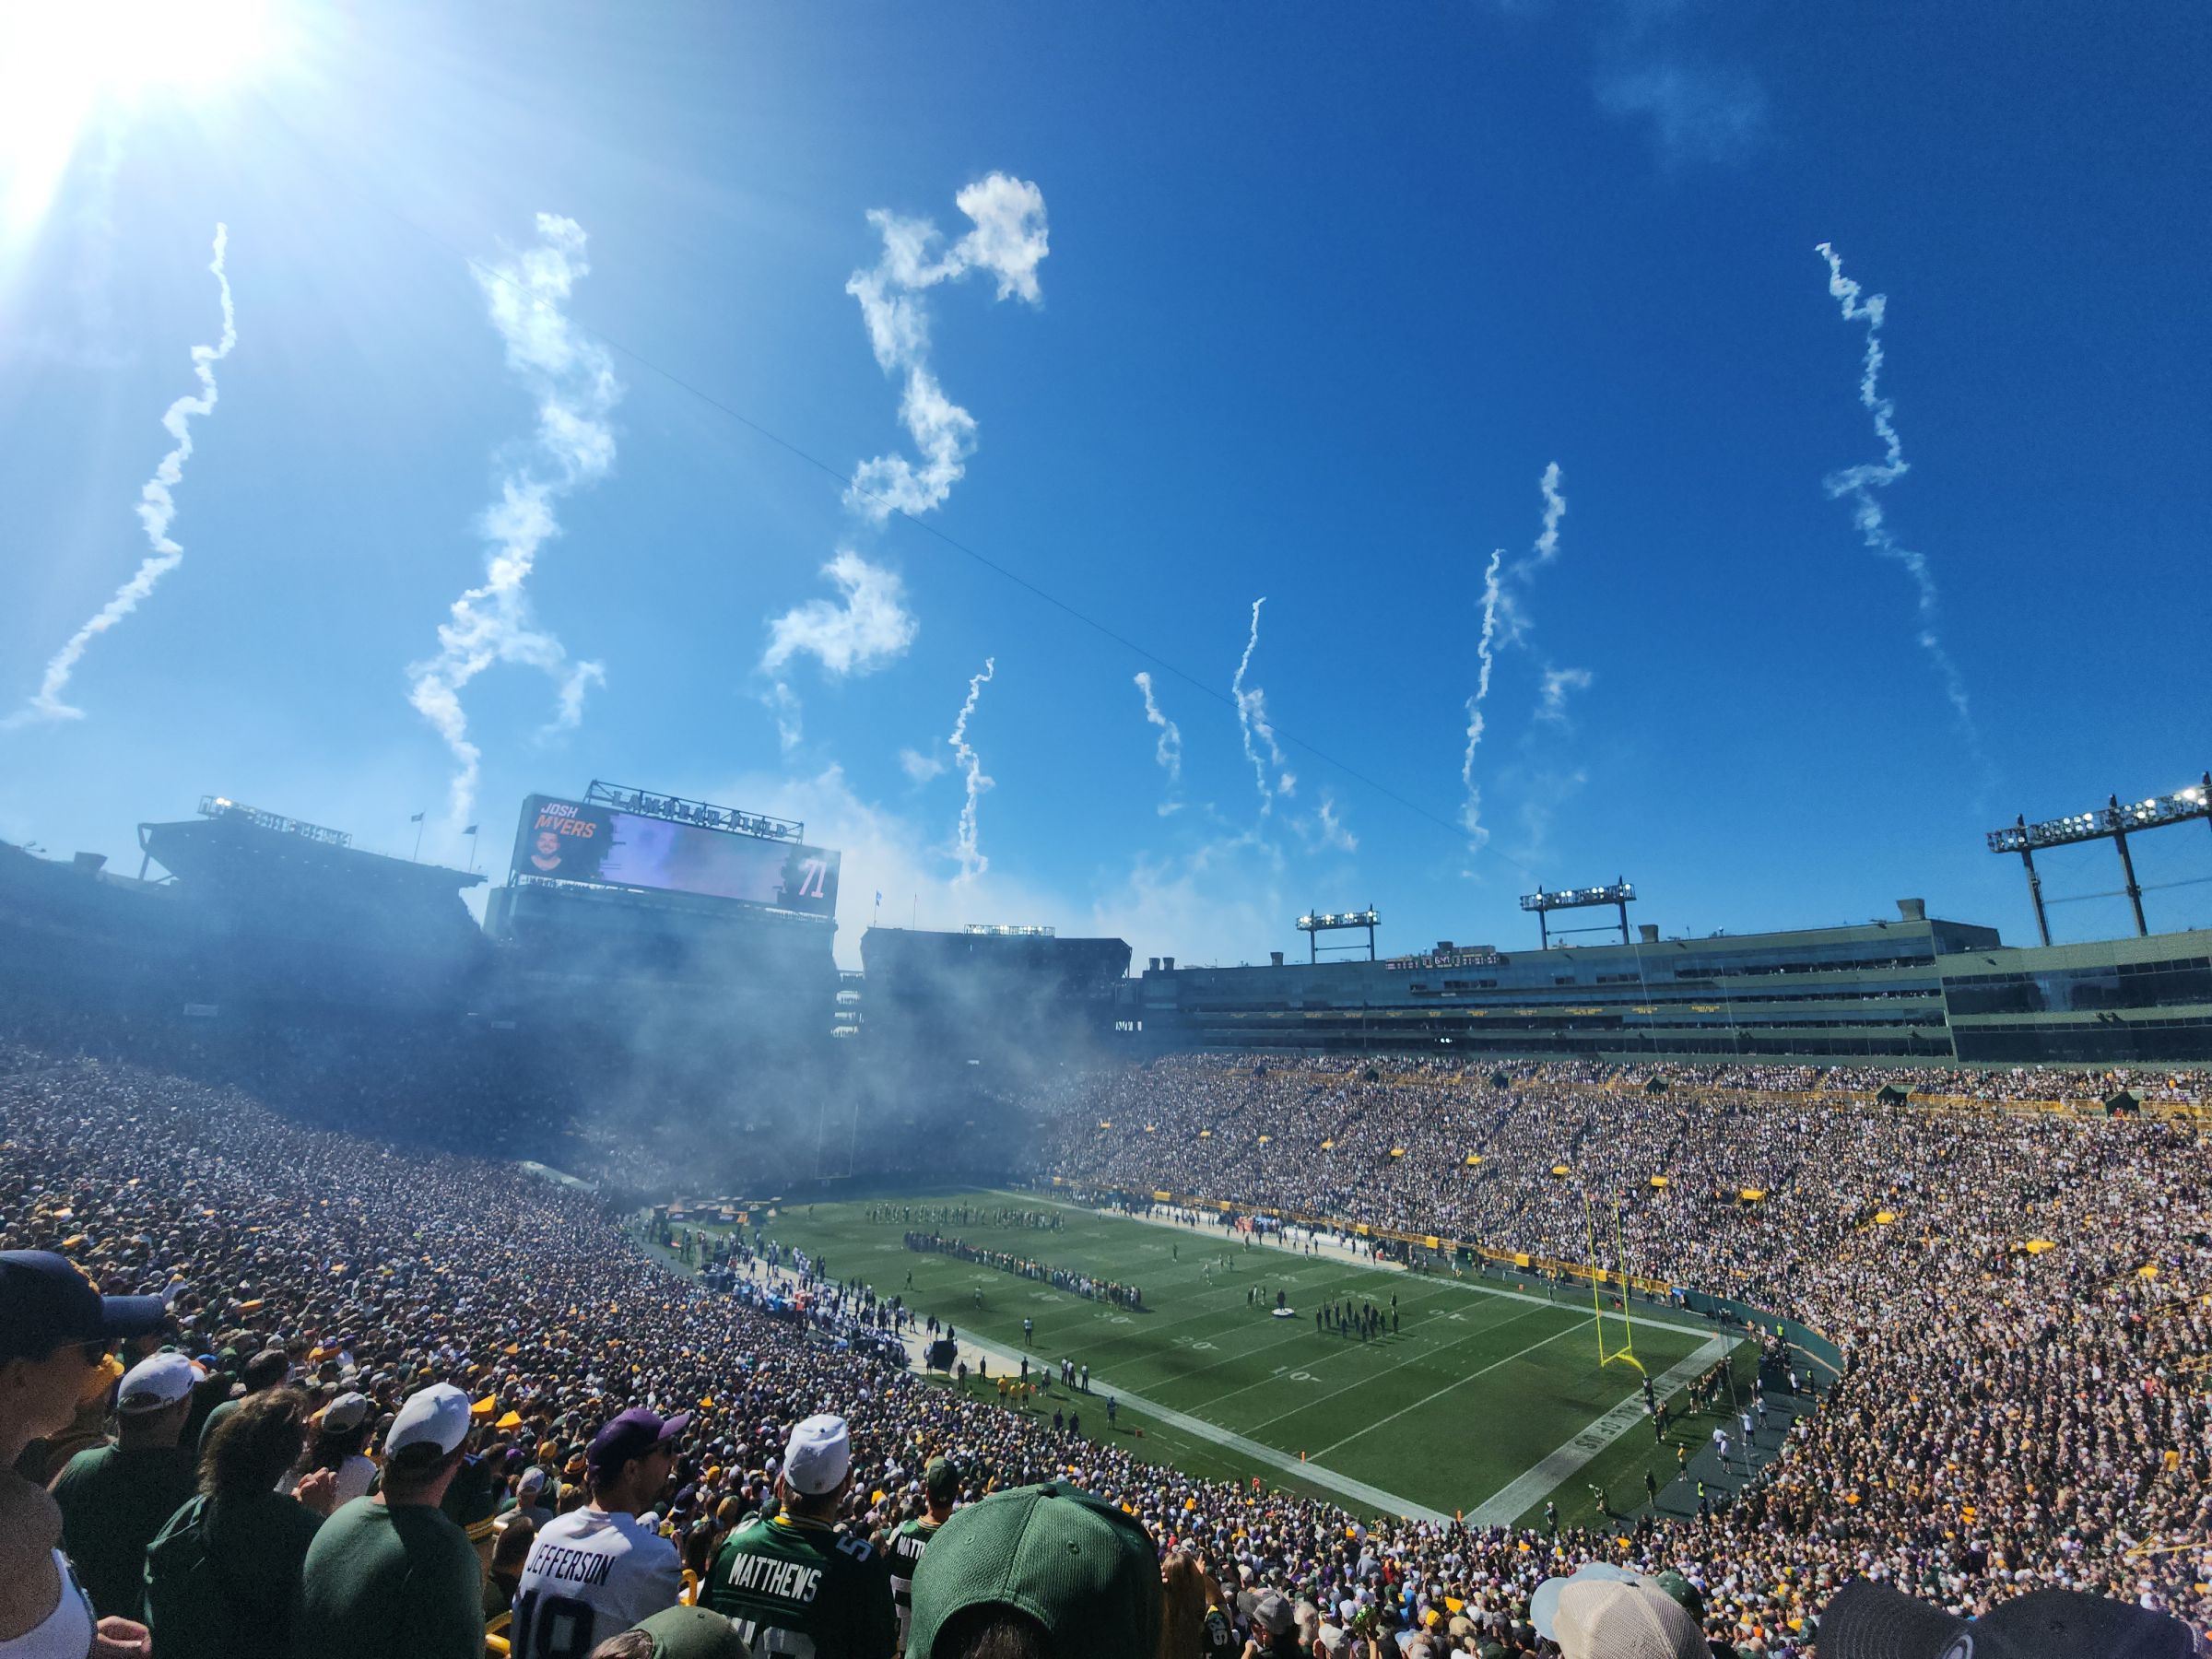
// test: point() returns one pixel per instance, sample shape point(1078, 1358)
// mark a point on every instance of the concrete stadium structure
point(1915, 989)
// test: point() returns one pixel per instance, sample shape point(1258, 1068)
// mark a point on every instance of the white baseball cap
point(346, 1413)
point(159, 1381)
point(819, 1454)
point(1604, 1618)
point(436, 1416)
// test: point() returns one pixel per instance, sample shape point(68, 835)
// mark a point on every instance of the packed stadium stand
point(203, 1098)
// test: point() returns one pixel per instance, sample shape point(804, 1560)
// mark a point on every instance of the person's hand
point(115, 1637)
point(317, 1490)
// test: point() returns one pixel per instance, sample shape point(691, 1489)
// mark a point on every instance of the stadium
point(1390, 1286)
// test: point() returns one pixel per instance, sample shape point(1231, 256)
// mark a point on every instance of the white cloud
point(1008, 241)
point(573, 380)
point(157, 509)
point(869, 627)
point(784, 703)
point(1557, 684)
point(920, 768)
point(1324, 831)
point(1697, 111)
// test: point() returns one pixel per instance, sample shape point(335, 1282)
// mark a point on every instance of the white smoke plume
point(870, 628)
point(1008, 241)
point(573, 380)
point(1326, 830)
point(1557, 683)
point(972, 861)
point(157, 511)
point(1251, 722)
point(1860, 483)
point(1168, 751)
point(1493, 596)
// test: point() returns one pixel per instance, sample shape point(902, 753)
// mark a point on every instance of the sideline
point(1374, 1498)
point(1539, 1480)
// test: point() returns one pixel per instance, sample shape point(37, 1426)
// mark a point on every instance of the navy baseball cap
point(46, 1303)
point(633, 1434)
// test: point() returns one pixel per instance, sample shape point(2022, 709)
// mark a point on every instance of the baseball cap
point(46, 1303)
point(819, 1454)
point(1273, 1612)
point(436, 1416)
point(1606, 1618)
point(346, 1413)
point(1671, 1583)
point(1544, 1605)
point(154, 1383)
point(692, 1633)
point(532, 1483)
point(941, 1480)
point(1083, 1568)
point(633, 1434)
point(1868, 1620)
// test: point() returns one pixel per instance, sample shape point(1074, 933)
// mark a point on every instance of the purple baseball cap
point(45, 1303)
point(633, 1434)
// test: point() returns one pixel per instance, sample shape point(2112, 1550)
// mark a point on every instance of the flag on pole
point(415, 820)
point(470, 831)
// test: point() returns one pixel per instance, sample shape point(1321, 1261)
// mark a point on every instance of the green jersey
point(113, 1503)
point(384, 1582)
point(799, 1590)
point(905, 1551)
point(222, 1580)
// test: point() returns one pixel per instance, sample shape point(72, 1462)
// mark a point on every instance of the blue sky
point(1290, 302)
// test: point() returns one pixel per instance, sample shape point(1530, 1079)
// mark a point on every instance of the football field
point(1481, 1399)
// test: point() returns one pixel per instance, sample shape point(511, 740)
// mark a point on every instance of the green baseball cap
point(692, 1633)
point(941, 1480)
point(1682, 1592)
point(1083, 1568)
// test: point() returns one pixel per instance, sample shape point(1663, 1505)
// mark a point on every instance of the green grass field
point(1475, 1389)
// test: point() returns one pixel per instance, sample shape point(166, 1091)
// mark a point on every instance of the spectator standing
point(391, 1576)
point(266, 1371)
point(56, 1331)
point(223, 1577)
point(598, 1568)
point(341, 1433)
point(940, 1487)
point(115, 1497)
point(791, 1584)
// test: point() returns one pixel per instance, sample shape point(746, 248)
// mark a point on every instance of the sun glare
point(67, 63)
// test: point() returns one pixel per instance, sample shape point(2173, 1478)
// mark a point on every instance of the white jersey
point(590, 1576)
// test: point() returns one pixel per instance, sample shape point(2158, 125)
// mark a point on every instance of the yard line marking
point(1373, 1497)
point(1502, 1507)
point(1427, 1353)
point(1448, 1387)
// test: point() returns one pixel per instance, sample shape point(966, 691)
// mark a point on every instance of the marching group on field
point(271, 1389)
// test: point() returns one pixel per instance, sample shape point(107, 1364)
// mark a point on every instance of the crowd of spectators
point(475, 1334)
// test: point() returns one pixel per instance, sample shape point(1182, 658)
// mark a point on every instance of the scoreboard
point(573, 841)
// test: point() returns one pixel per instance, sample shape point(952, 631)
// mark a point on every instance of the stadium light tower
point(2109, 822)
point(1622, 893)
point(1313, 924)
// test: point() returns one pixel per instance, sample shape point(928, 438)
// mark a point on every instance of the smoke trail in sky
point(1169, 750)
point(573, 380)
point(972, 861)
point(1860, 483)
point(1251, 722)
point(1470, 812)
point(1008, 241)
point(157, 509)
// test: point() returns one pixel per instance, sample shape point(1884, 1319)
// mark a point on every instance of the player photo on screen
point(564, 841)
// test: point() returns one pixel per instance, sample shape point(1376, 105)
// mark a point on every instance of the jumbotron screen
point(570, 841)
